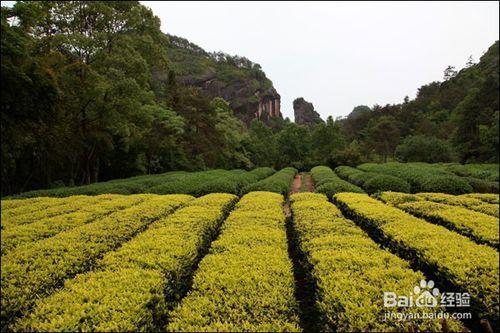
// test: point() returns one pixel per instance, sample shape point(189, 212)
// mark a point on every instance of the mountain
point(304, 112)
point(238, 80)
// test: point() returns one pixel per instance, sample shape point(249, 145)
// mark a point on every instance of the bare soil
point(302, 183)
point(297, 183)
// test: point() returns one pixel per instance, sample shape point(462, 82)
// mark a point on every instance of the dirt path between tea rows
point(302, 183)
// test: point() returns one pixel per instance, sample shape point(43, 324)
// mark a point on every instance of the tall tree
point(383, 136)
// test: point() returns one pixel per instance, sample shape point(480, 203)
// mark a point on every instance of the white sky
point(339, 55)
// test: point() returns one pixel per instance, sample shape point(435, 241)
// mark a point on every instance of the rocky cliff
point(304, 112)
point(238, 80)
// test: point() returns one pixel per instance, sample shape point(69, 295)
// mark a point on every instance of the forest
point(81, 103)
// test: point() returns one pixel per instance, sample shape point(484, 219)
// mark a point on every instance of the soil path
point(304, 290)
point(302, 183)
point(297, 184)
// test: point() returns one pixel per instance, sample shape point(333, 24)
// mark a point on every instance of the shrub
point(360, 178)
point(422, 177)
point(278, 182)
point(484, 171)
point(87, 211)
point(263, 172)
point(469, 201)
point(421, 148)
point(36, 271)
point(395, 198)
point(480, 227)
point(322, 174)
point(445, 184)
point(339, 255)
point(333, 187)
point(328, 183)
point(439, 251)
point(194, 183)
point(486, 197)
point(68, 205)
point(381, 183)
point(138, 282)
point(345, 172)
point(246, 281)
point(482, 186)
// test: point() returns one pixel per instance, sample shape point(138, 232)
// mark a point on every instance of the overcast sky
point(339, 55)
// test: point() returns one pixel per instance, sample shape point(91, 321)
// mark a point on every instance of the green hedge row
point(134, 286)
point(482, 186)
point(139, 184)
point(214, 181)
point(464, 200)
point(341, 256)
point(372, 182)
point(481, 228)
point(47, 208)
point(327, 182)
point(422, 177)
point(278, 182)
point(103, 205)
point(489, 172)
point(35, 271)
point(451, 259)
point(193, 183)
point(245, 283)
point(451, 212)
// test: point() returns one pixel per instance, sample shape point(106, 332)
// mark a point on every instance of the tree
point(261, 144)
point(233, 132)
point(327, 140)
point(490, 145)
point(294, 146)
point(351, 155)
point(86, 68)
point(421, 148)
point(383, 135)
point(449, 73)
point(470, 62)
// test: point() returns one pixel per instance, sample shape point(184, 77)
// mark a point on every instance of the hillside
point(460, 114)
point(236, 79)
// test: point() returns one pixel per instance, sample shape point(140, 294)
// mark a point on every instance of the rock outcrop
point(304, 112)
point(239, 81)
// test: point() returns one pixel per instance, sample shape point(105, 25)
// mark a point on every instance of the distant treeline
point(81, 102)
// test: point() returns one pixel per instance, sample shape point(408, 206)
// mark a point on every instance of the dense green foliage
point(200, 183)
point(341, 256)
point(278, 182)
point(39, 268)
point(386, 183)
point(245, 283)
point(445, 256)
point(458, 116)
point(82, 100)
point(93, 91)
point(372, 182)
point(135, 285)
point(421, 148)
point(484, 171)
point(422, 177)
point(328, 183)
point(195, 183)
